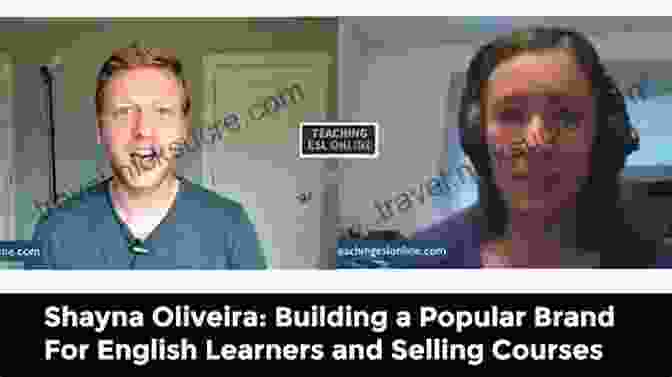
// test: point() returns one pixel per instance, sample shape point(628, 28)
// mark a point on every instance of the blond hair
point(135, 56)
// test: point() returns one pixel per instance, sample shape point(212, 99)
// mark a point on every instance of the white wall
point(7, 186)
point(32, 145)
point(634, 45)
point(405, 90)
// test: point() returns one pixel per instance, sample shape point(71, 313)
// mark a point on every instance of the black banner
point(469, 331)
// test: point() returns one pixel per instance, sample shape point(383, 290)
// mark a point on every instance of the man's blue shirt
point(202, 230)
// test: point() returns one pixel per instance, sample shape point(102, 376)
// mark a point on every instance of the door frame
point(7, 72)
point(248, 57)
point(322, 62)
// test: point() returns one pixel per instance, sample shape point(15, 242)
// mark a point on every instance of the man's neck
point(136, 205)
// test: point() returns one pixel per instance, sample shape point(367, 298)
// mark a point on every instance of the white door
point(7, 181)
point(257, 164)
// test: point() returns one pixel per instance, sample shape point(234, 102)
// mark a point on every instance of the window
point(651, 116)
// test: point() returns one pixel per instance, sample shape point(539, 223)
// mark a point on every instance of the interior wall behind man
point(83, 45)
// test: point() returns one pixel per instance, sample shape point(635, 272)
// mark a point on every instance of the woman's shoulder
point(459, 233)
point(460, 224)
point(664, 253)
point(664, 260)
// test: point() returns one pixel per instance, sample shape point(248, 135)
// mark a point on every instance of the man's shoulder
point(77, 206)
point(202, 198)
point(228, 217)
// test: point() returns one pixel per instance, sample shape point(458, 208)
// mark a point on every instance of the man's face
point(540, 126)
point(141, 118)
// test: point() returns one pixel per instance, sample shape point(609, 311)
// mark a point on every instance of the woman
point(548, 133)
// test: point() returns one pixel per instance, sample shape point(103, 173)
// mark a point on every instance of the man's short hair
point(135, 56)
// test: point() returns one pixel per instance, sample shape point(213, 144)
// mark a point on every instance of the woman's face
point(539, 120)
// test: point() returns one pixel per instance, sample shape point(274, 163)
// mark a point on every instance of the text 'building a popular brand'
point(339, 140)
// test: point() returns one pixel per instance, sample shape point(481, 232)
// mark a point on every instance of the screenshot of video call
point(335, 143)
point(183, 184)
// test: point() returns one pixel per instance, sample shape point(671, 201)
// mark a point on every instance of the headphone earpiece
point(634, 141)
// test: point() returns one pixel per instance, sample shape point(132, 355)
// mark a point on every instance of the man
point(145, 216)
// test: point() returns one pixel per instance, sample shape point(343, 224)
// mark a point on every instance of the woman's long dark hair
point(601, 225)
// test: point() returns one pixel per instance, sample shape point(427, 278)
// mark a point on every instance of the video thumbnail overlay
point(21, 254)
point(339, 140)
point(386, 253)
point(471, 331)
